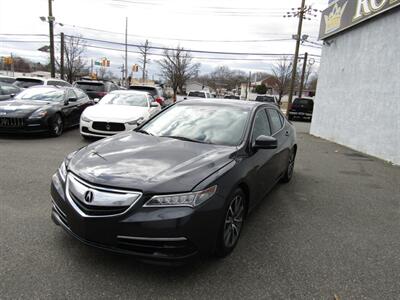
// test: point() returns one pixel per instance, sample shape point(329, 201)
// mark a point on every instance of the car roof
point(129, 92)
point(39, 78)
point(50, 87)
point(226, 102)
point(89, 81)
point(146, 86)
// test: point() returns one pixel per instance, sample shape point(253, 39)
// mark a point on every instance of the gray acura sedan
point(179, 185)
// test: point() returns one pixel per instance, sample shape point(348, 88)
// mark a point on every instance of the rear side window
point(261, 125)
point(7, 79)
point(27, 82)
point(56, 83)
point(8, 89)
point(275, 119)
point(80, 93)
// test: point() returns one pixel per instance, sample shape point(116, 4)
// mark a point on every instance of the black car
point(96, 89)
point(43, 109)
point(8, 91)
point(181, 184)
point(268, 99)
point(301, 108)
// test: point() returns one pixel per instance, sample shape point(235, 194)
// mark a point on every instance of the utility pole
point(51, 31)
point(62, 56)
point(144, 49)
point(303, 73)
point(126, 53)
point(248, 87)
point(296, 53)
point(91, 67)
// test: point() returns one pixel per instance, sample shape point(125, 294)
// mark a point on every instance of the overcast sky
point(216, 25)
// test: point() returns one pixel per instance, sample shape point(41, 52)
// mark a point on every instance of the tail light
point(101, 94)
point(159, 100)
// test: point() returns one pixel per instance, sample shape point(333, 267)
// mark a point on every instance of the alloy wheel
point(233, 221)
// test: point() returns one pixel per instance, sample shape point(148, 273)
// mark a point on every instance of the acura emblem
point(88, 196)
point(108, 127)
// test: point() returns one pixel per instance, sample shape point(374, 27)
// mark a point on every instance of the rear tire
point(56, 126)
point(290, 167)
point(232, 224)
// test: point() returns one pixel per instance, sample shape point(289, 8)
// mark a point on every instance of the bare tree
point(281, 74)
point(177, 68)
point(101, 72)
point(144, 50)
point(75, 47)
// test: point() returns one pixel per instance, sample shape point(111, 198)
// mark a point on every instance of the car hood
point(149, 163)
point(111, 112)
point(16, 108)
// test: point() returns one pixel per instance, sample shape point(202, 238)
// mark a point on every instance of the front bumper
point(166, 234)
point(86, 129)
point(26, 126)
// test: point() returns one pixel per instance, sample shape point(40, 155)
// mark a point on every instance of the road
point(333, 230)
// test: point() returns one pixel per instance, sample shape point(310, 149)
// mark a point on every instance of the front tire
point(232, 224)
point(56, 126)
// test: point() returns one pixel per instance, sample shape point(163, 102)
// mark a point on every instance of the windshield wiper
point(144, 131)
point(182, 138)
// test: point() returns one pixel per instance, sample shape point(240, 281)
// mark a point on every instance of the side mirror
point(12, 95)
point(265, 142)
point(72, 99)
point(154, 104)
point(184, 98)
point(96, 100)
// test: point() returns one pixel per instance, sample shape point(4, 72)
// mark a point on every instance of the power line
point(185, 39)
point(188, 50)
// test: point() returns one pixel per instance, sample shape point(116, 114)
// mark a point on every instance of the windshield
point(197, 94)
point(299, 101)
point(41, 94)
point(26, 82)
point(222, 125)
point(265, 99)
point(91, 86)
point(151, 90)
point(125, 99)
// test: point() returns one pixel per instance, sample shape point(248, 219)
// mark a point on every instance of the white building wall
point(358, 96)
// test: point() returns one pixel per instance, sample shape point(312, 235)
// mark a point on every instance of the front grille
point(105, 126)
point(161, 248)
point(97, 210)
point(7, 122)
point(96, 201)
point(86, 130)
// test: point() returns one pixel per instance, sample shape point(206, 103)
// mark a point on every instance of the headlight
point(38, 114)
point(85, 119)
point(135, 122)
point(187, 199)
point(63, 171)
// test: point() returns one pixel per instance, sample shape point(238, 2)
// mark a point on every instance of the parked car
point(301, 108)
point(96, 89)
point(43, 109)
point(8, 91)
point(180, 184)
point(267, 98)
point(232, 97)
point(7, 79)
point(26, 82)
point(198, 94)
point(155, 91)
point(117, 111)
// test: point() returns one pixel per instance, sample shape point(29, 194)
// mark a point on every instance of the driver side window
point(261, 125)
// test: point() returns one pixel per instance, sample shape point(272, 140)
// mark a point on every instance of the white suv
point(198, 94)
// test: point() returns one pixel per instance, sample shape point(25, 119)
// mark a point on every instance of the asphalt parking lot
point(333, 230)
